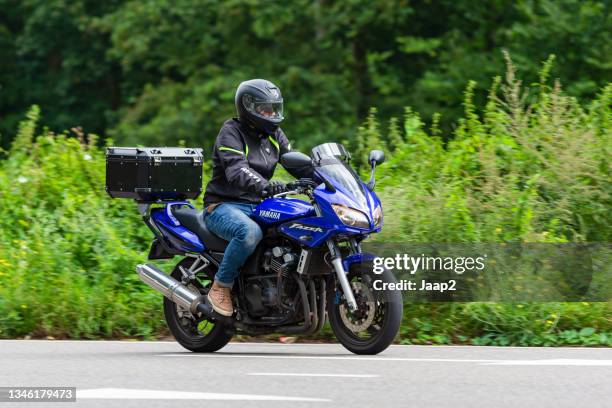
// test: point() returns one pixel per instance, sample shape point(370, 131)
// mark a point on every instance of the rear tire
point(372, 328)
point(195, 336)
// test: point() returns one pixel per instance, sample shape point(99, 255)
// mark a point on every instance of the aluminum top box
point(150, 174)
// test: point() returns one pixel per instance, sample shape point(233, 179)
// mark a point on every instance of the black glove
point(274, 187)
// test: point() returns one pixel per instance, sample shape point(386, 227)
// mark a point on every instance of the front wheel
point(373, 326)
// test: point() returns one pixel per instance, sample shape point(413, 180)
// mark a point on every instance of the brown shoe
point(220, 299)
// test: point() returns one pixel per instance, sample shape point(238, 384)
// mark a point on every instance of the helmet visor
point(268, 110)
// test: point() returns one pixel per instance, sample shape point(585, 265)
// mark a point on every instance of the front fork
point(336, 261)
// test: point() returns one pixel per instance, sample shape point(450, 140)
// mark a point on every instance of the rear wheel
point(372, 327)
point(195, 334)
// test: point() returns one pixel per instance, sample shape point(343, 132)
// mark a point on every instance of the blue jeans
point(231, 222)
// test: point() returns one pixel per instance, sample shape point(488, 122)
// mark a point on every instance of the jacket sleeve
point(232, 152)
point(283, 142)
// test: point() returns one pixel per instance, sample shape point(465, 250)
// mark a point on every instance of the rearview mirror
point(376, 156)
point(297, 164)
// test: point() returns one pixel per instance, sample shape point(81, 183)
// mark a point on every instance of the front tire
point(204, 336)
point(374, 325)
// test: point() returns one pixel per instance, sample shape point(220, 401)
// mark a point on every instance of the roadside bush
point(534, 166)
point(67, 252)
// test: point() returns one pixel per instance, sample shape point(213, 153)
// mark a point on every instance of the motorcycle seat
point(193, 220)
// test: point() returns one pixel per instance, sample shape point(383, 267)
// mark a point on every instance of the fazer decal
point(305, 227)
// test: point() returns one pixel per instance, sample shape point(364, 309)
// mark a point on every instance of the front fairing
point(339, 185)
point(350, 192)
point(314, 231)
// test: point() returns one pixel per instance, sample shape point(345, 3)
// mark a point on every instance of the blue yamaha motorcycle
point(308, 267)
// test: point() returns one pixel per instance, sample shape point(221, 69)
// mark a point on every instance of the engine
point(274, 288)
point(280, 260)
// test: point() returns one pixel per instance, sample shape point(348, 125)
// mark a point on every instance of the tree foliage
point(160, 71)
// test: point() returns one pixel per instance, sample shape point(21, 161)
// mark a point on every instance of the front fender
point(357, 258)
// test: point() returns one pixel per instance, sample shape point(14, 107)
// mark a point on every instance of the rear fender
point(160, 251)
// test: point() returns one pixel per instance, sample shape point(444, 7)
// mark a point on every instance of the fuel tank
point(278, 210)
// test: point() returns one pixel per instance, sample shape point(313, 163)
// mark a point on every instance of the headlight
point(378, 216)
point(351, 217)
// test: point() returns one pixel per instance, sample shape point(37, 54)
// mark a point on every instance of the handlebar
point(301, 183)
point(301, 186)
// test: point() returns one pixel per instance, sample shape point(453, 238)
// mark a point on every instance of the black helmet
point(260, 104)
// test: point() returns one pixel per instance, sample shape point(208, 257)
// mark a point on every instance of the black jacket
point(243, 163)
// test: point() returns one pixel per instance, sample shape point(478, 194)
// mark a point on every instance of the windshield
point(330, 151)
point(331, 161)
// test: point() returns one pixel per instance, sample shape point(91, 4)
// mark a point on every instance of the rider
point(245, 155)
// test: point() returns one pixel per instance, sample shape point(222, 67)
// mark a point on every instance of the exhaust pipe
point(174, 290)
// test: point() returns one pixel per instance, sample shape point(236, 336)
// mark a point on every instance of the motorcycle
point(309, 266)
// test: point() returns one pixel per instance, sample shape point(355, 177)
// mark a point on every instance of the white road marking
point(125, 393)
point(553, 362)
point(315, 375)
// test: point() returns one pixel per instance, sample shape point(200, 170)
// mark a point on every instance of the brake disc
point(363, 317)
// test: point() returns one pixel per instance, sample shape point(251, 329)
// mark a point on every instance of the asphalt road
point(162, 374)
